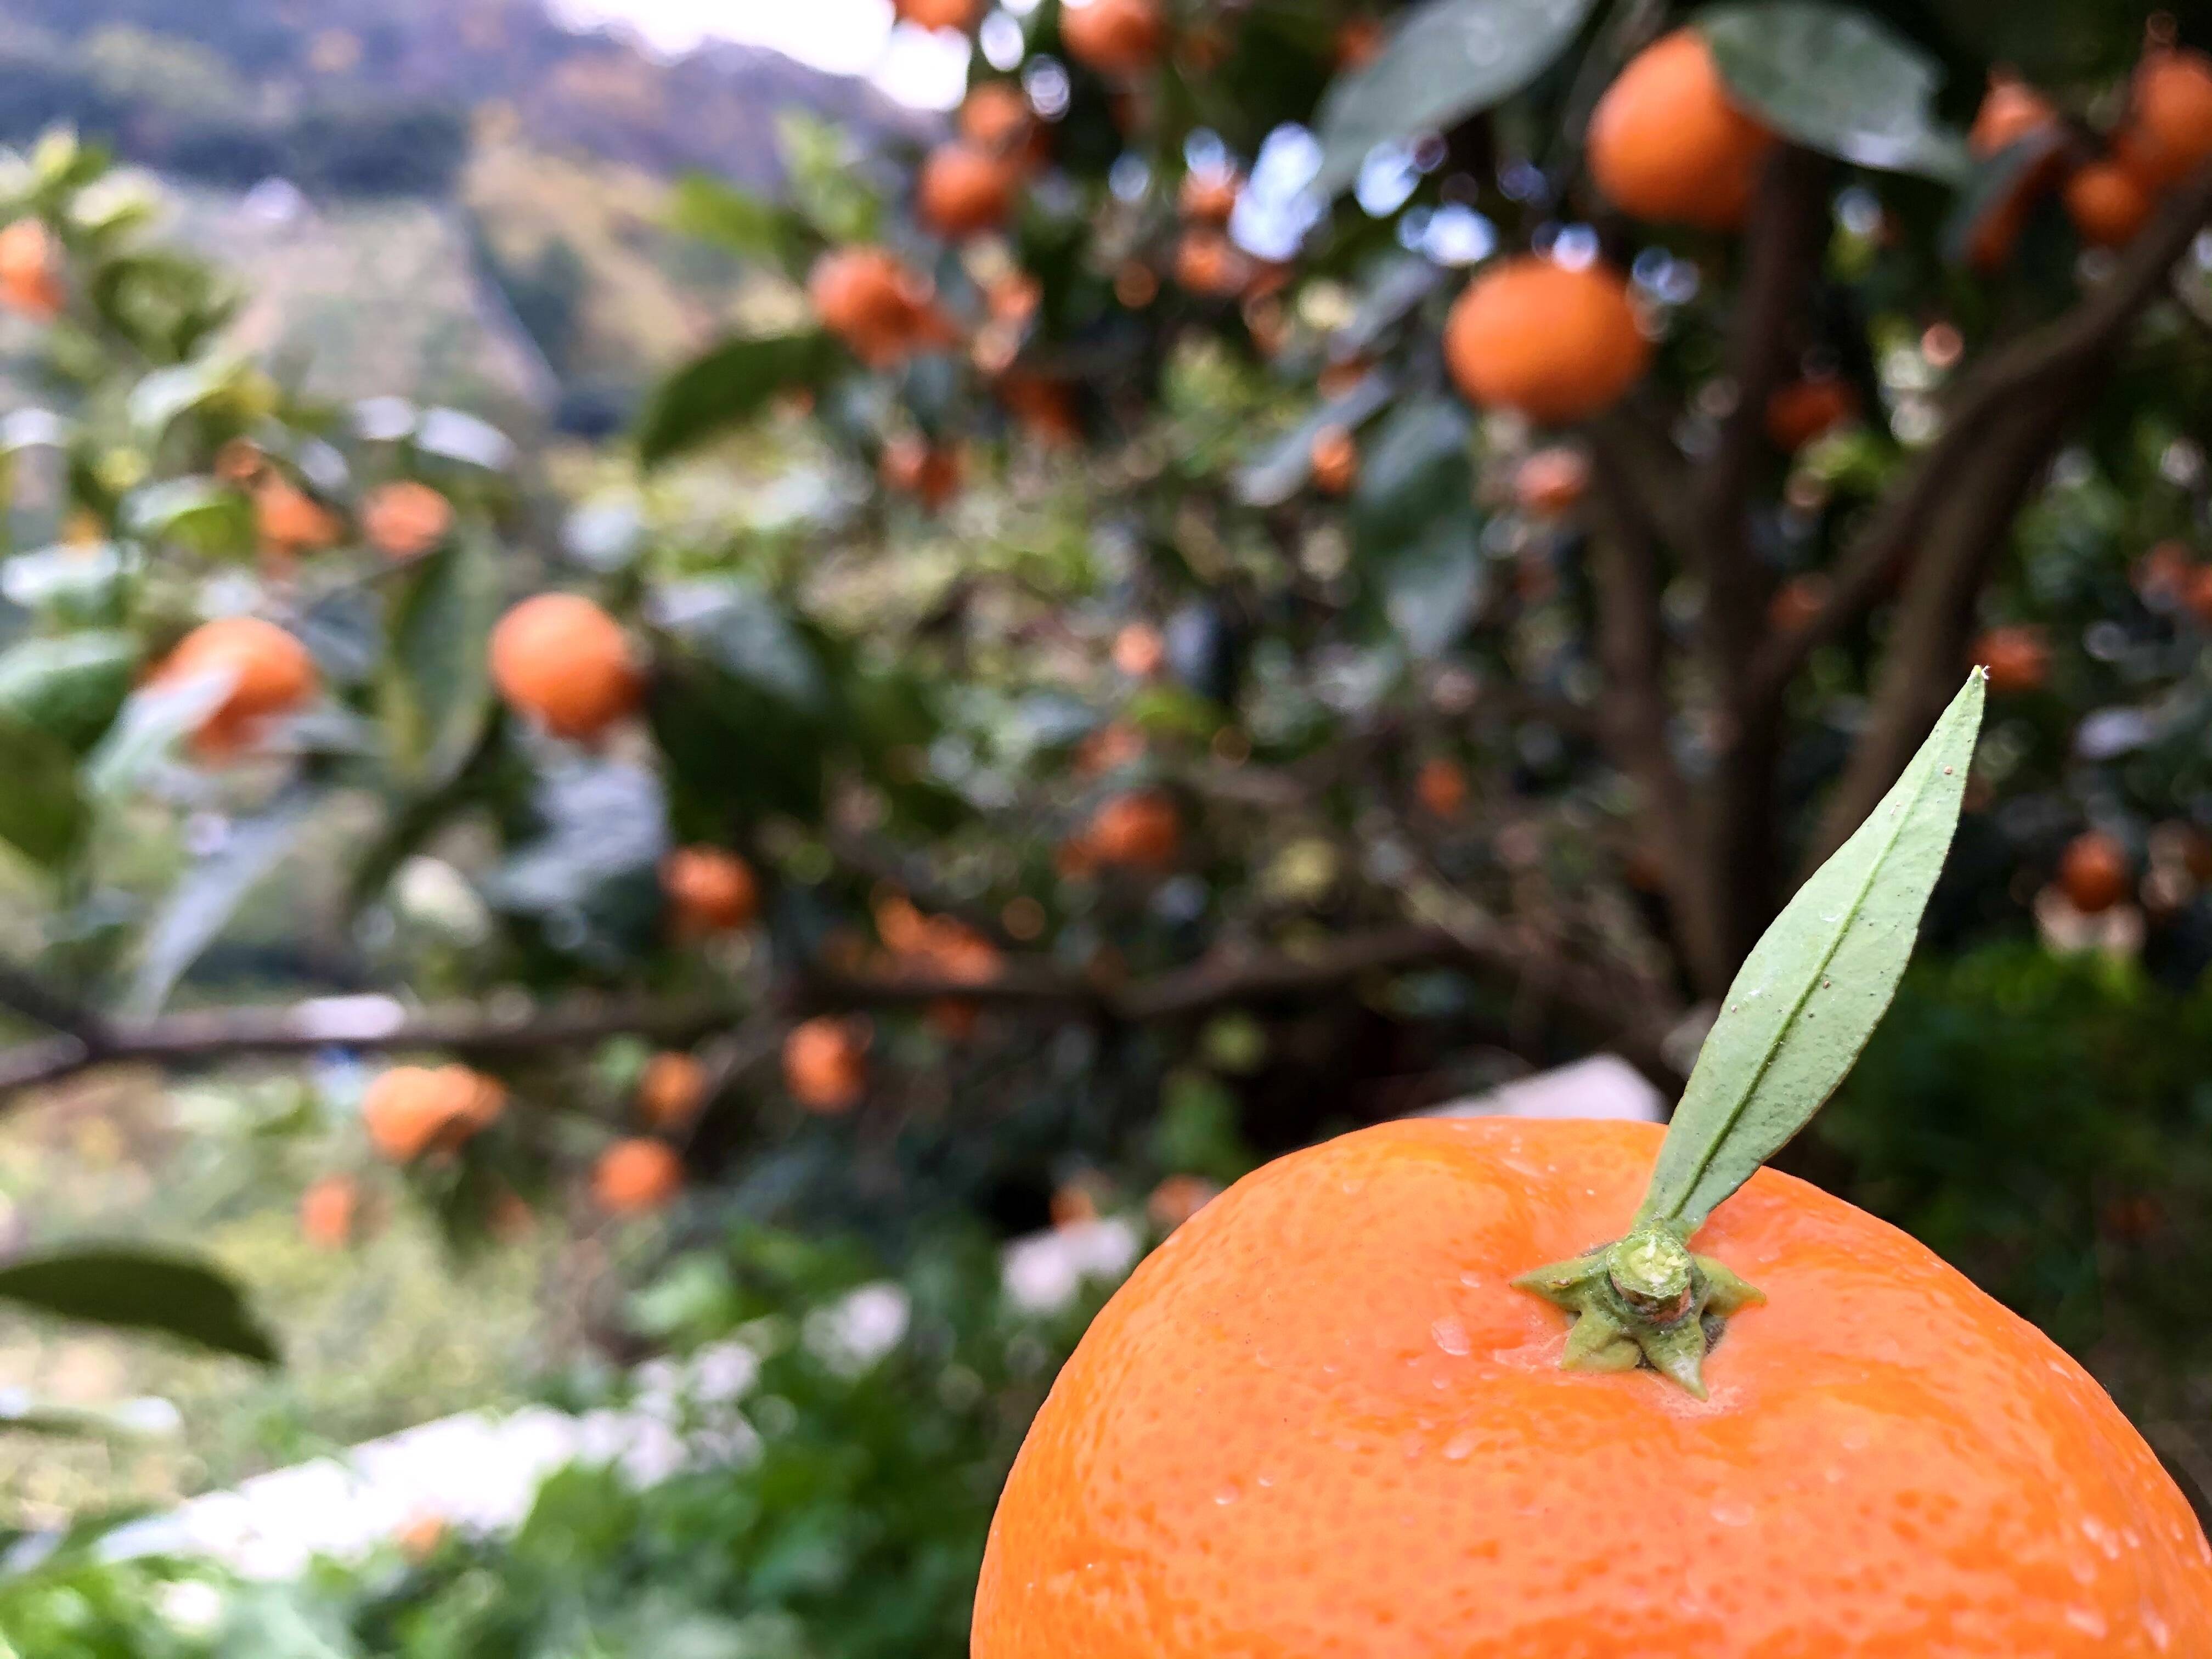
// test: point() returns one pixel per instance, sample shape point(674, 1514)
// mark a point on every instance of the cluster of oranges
point(2164, 134)
point(411, 1111)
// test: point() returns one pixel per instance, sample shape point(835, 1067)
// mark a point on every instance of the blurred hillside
point(470, 149)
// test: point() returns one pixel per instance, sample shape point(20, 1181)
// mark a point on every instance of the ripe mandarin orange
point(2108, 204)
point(1441, 787)
point(1208, 264)
point(1140, 650)
point(31, 270)
point(327, 1210)
point(1807, 409)
point(1557, 344)
point(404, 520)
point(1209, 195)
point(270, 674)
point(930, 473)
point(2169, 128)
point(1141, 829)
point(877, 304)
point(1114, 36)
point(996, 115)
point(637, 1176)
point(938, 13)
point(709, 891)
point(2094, 872)
point(2011, 110)
point(670, 1090)
point(1665, 142)
point(1318, 1420)
point(561, 660)
point(965, 191)
point(289, 520)
point(825, 1065)
point(1335, 460)
point(2018, 659)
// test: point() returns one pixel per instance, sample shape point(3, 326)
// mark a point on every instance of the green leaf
point(1814, 988)
point(202, 903)
point(165, 393)
point(435, 691)
point(1838, 81)
point(72, 686)
point(1415, 471)
point(42, 812)
point(731, 383)
point(134, 1420)
point(172, 1294)
point(155, 718)
point(204, 514)
point(1431, 586)
point(1449, 59)
point(747, 225)
point(745, 633)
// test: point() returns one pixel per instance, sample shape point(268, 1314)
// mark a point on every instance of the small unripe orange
point(1665, 142)
point(31, 270)
point(2017, 659)
point(671, 1090)
point(825, 1065)
point(1335, 459)
point(328, 1211)
point(637, 1176)
point(561, 660)
point(2108, 204)
point(1441, 787)
point(1809, 409)
point(404, 520)
point(965, 191)
point(1557, 343)
point(709, 891)
point(2094, 872)
point(1141, 829)
point(270, 671)
point(1113, 37)
point(1551, 481)
point(2169, 128)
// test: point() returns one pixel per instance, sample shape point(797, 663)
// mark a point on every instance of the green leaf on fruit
point(1814, 988)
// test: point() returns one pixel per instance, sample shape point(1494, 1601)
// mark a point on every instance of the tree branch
point(2061, 359)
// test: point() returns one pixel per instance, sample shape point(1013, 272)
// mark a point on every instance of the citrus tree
point(1307, 546)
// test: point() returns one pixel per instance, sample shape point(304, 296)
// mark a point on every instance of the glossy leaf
point(1814, 988)
point(171, 1294)
point(72, 686)
point(436, 692)
point(743, 631)
point(1415, 471)
point(1836, 81)
point(1449, 59)
point(203, 901)
point(730, 383)
point(591, 879)
point(1430, 588)
point(155, 718)
point(42, 811)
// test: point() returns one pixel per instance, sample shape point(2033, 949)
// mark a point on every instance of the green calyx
point(1792, 1026)
point(1646, 1300)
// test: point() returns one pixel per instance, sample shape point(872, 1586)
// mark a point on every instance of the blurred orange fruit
point(1141, 829)
point(2017, 659)
point(1557, 344)
point(2108, 204)
point(1209, 194)
point(637, 1176)
point(2094, 872)
point(289, 520)
point(1139, 650)
point(413, 1109)
point(1797, 604)
point(1178, 1198)
point(2011, 110)
point(269, 672)
point(965, 191)
point(881, 307)
point(709, 891)
point(1441, 787)
point(404, 520)
point(563, 660)
point(1809, 409)
point(328, 1211)
point(1358, 42)
point(938, 13)
point(671, 1090)
point(1113, 37)
point(1665, 142)
point(2169, 127)
point(31, 270)
point(1335, 460)
point(930, 473)
point(996, 115)
point(825, 1065)
point(1209, 264)
point(1551, 481)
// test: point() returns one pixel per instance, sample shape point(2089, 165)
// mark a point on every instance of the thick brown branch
point(2062, 359)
